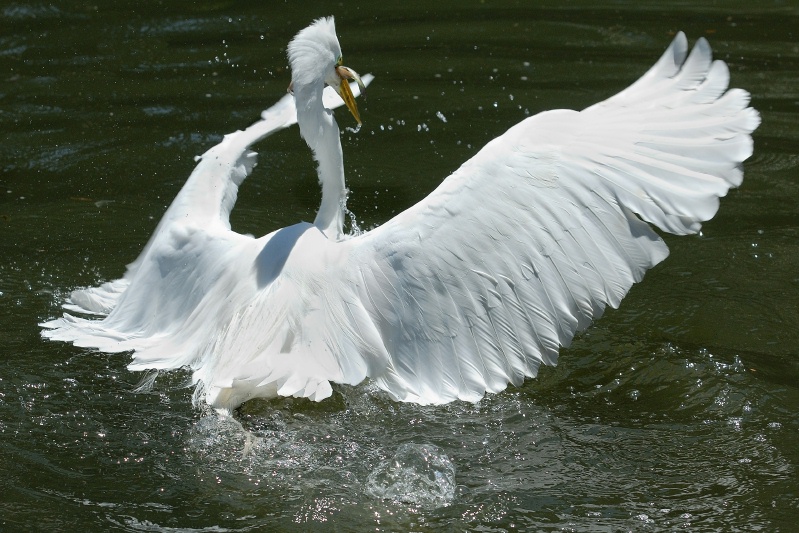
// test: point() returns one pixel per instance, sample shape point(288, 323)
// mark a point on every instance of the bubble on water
point(419, 474)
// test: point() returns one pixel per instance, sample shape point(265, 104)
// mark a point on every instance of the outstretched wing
point(186, 257)
point(531, 239)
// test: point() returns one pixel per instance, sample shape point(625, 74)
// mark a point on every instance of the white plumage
point(469, 290)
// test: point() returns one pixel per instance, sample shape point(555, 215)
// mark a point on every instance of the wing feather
point(528, 242)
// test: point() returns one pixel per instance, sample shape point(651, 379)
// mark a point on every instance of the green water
point(677, 411)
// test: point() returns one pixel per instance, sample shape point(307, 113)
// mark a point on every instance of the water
point(417, 474)
point(679, 410)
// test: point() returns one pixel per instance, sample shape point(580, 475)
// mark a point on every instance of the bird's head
point(315, 59)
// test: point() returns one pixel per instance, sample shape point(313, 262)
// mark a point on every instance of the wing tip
point(678, 48)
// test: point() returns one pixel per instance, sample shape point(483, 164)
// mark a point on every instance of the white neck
point(320, 131)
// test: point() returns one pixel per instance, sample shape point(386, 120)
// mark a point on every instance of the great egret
point(469, 290)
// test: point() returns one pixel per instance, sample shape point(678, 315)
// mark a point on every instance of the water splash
point(419, 474)
point(355, 229)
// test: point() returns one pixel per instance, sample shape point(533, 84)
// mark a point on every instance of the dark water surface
point(680, 410)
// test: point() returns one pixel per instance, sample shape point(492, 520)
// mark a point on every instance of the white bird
point(471, 289)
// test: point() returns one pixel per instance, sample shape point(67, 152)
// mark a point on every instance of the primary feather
point(471, 289)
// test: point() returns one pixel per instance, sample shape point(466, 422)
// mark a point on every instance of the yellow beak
point(344, 89)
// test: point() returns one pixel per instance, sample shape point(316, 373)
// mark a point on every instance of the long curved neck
point(320, 131)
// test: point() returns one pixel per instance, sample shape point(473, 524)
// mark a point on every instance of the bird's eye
point(339, 61)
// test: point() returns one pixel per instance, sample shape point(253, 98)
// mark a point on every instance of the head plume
point(313, 52)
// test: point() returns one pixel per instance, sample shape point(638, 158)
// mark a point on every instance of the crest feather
point(314, 51)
